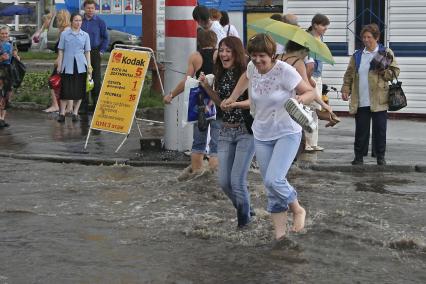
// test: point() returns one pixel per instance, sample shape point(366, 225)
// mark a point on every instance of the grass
point(38, 55)
point(34, 89)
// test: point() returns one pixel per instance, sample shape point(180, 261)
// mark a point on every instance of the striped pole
point(181, 34)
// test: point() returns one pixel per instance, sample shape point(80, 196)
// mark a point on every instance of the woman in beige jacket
point(366, 83)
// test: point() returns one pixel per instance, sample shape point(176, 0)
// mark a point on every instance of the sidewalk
point(36, 135)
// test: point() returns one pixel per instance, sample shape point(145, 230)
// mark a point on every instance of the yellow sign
point(120, 91)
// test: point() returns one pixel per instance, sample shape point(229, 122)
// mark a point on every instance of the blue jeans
point(275, 158)
point(199, 138)
point(235, 152)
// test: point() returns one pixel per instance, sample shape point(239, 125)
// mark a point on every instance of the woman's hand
point(168, 99)
point(203, 80)
point(345, 96)
point(4, 57)
point(90, 70)
point(328, 108)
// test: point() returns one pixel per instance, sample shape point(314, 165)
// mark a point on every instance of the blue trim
point(338, 48)
point(408, 49)
point(224, 5)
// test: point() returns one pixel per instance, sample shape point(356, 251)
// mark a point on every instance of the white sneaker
point(301, 114)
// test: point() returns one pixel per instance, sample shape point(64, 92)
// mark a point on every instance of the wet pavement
point(36, 134)
point(71, 223)
point(79, 223)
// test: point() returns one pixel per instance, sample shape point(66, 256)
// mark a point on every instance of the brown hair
point(262, 43)
point(319, 19)
point(373, 29)
point(206, 38)
point(89, 2)
point(215, 14)
point(235, 44)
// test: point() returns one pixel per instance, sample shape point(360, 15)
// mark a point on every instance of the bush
point(34, 88)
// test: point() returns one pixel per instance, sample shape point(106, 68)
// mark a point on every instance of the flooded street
point(69, 223)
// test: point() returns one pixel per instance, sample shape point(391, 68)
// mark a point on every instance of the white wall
point(406, 23)
point(236, 19)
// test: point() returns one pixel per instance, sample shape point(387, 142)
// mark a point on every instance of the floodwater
point(69, 223)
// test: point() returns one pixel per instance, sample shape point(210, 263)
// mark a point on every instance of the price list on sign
point(120, 91)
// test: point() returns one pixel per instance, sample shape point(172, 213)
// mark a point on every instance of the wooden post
point(149, 38)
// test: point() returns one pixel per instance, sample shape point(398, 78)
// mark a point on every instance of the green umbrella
point(282, 33)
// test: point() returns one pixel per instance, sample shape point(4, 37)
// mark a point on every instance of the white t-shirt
point(364, 68)
point(268, 93)
point(232, 31)
point(218, 30)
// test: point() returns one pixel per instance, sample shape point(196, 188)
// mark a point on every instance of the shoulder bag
point(397, 99)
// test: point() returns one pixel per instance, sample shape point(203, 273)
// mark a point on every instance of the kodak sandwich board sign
point(121, 90)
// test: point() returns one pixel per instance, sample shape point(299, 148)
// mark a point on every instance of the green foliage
point(37, 55)
point(149, 97)
point(34, 88)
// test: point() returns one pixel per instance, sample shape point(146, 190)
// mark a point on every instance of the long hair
point(240, 65)
point(63, 20)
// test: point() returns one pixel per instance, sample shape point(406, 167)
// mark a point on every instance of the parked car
point(115, 37)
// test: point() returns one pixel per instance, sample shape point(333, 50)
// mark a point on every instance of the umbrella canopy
point(13, 10)
point(282, 33)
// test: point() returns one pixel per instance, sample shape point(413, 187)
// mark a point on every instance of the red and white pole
point(181, 41)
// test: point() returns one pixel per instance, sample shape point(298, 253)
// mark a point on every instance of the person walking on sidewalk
point(73, 65)
point(62, 22)
point(97, 30)
point(7, 54)
point(319, 26)
point(367, 85)
point(236, 146)
point(272, 83)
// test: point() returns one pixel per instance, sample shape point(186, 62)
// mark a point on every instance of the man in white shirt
point(202, 16)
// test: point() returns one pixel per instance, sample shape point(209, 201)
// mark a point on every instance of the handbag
point(397, 99)
point(17, 70)
point(55, 82)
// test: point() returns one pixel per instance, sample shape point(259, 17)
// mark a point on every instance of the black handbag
point(397, 99)
point(17, 70)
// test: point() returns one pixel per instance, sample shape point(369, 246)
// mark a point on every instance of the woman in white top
point(229, 29)
point(277, 136)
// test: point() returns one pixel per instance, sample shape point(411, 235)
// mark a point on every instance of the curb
point(93, 161)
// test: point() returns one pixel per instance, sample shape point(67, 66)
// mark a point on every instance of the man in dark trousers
point(97, 30)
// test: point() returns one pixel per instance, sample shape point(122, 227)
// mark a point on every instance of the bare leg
point(76, 107)
point(197, 161)
point(279, 221)
point(64, 104)
point(299, 215)
point(2, 114)
point(213, 163)
point(54, 105)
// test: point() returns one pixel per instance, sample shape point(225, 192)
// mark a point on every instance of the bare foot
point(298, 219)
point(51, 109)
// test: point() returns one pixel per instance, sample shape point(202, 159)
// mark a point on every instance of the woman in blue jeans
point(235, 147)
point(271, 84)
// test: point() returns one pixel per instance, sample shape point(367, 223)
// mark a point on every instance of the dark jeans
point(362, 132)
point(95, 61)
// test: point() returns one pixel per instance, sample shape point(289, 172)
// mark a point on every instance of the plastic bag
point(195, 100)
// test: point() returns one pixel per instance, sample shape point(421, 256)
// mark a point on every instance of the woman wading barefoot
point(271, 84)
